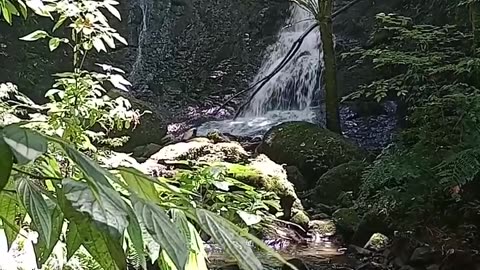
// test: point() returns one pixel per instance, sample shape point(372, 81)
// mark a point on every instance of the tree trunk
point(326, 31)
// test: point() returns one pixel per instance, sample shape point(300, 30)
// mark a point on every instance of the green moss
point(301, 219)
point(339, 180)
point(314, 150)
point(254, 177)
point(322, 227)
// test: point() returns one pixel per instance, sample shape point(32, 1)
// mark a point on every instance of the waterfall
point(137, 67)
point(290, 94)
point(292, 88)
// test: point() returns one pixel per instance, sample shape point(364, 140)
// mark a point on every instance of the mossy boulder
point(263, 173)
point(337, 181)
point(312, 149)
point(322, 228)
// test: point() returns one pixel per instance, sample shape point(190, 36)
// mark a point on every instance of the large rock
point(343, 178)
point(312, 149)
point(259, 171)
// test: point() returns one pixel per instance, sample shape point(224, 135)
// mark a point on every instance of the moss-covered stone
point(322, 228)
point(312, 149)
point(346, 219)
point(377, 242)
point(301, 219)
point(339, 180)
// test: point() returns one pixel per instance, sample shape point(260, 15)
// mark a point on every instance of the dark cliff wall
point(181, 52)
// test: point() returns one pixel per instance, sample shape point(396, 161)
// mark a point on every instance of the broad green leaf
point(9, 211)
point(165, 262)
point(104, 246)
point(43, 250)
point(54, 43)
point(11, 8)
point(139, 184)
point(89, 168)
point(228, 238)
point(39, 34)
point(37, 208)
point(6, 163)
point(139, 176)
point(25, 144)
point(108, 209)
point(73, 240)
point(135, 234)
point(159, 225)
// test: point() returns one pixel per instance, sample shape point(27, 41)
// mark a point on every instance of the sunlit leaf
point(159, 225)
point(249, 219)
point(39, 34)
point(114, 11)
point(54, 43)
point(25, 144)
point(139, 184)
point(228, 238)
point(108, 210)
point(98, 44)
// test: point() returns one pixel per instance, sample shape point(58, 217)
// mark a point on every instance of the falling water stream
point(289, 95)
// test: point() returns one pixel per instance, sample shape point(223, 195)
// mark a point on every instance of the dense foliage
point(433, 71)
point(51, 183)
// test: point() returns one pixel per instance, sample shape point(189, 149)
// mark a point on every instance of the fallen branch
point(293, 50)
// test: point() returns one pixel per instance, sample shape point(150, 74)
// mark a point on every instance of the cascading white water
point(289, 94)
point(294, 86)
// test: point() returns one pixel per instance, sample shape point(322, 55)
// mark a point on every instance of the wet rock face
point(179, 52)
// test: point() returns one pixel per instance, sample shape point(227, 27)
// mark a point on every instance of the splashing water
point(289, 95)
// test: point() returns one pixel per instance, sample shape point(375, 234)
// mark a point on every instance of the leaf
point(11, 8)
point(36, 206)
point(135, 235)
point(73, 240)
point(249, 219)
point(104, 246)
point(23, 8)
point(223, 233)
point(119, 82)
point(39, 34)
point(114, 11)
point(98, 44)
point(108, 209)
point(89, 168)
point(54, 43)
point(159, 225)
point(25, 144)
point(9, 210)
point(59, 22)
point(7, 15)
point(139, 184)
point(118, 37)
point(43, 250)
point(6, 164)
